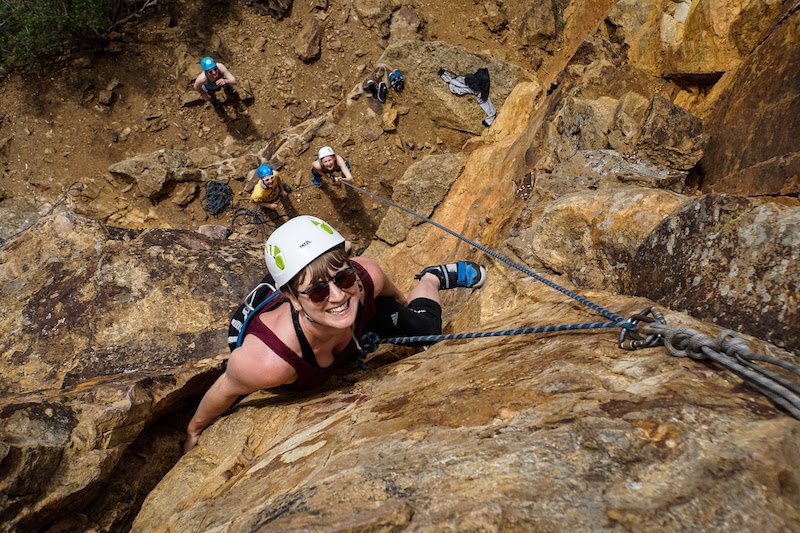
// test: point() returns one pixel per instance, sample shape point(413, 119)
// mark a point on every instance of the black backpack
point(263, 295)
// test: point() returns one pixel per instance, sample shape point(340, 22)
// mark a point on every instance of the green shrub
point(30, 29)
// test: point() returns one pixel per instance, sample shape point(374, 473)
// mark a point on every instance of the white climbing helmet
point(295, 244)
point(325, 151)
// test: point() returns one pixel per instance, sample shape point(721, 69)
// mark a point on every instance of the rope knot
point(732, 344)
point(686, 342)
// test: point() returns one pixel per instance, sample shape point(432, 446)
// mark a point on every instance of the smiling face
point(268, 180)
point(328, 162)
point(330, 273)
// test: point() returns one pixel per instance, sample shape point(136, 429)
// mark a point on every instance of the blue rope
point(618, 320)
point(370, 341)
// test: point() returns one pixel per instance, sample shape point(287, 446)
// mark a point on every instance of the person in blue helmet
point(268, 188)
point(327, 301)
point(213, 78)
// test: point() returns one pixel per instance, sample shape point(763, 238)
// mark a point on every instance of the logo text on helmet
point(305, 244)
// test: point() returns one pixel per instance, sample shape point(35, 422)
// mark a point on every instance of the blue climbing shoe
point(462, 274)
point(396, 80)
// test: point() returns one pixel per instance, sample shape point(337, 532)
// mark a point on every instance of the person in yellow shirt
point(269, 188)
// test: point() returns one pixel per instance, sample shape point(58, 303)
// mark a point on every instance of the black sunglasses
point(344, 279)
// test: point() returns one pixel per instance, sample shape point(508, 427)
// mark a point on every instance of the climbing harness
point(642, 330)
point(218, 197)
point(73, 189)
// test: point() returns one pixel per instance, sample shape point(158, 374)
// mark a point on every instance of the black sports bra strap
point(305, 346)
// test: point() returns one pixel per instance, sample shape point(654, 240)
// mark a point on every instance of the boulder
point(592, 237)
point(374, 14)
point(389, 119)
point(753, 148)
point(495, 16)
point(423, 186)
point(420, 62)
point(214, 231)
point(582, 124)
point(108, 330)
point(184, 193)
point(538, 24)
point(727, 259)
point(664, 134)
point(670, 136)
point(308, 43)
point(405, 25)
point(275, 8)
point(153, 172)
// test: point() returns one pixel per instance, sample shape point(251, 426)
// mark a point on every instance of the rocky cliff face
point(595, 181)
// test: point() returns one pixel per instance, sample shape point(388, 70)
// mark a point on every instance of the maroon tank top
point(311, 376)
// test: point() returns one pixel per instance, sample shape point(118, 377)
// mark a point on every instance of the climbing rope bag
point(265, 295)
point(396, 80)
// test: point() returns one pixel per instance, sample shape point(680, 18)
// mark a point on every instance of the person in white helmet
point(328, 301)
point(330, 164)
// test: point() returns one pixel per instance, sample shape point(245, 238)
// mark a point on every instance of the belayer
point(327, 301)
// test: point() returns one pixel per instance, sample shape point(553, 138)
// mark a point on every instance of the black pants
point(423, 316)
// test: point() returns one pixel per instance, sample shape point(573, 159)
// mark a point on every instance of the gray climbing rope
point(732, 352)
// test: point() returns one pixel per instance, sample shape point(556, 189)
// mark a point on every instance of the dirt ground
point(60, 132)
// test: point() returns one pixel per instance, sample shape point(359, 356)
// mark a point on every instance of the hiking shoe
point(372, 89)
point(383, 90)
point(316, 181)
point(462, 274)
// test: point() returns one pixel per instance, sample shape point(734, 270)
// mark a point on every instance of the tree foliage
point(30, 29)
